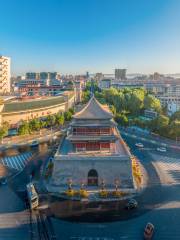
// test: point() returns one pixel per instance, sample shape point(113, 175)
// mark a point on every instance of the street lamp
point(116, 184)
point(102, 185)
point(82, 186)
point(69, 184)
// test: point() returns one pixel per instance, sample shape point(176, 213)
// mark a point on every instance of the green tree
point(85, 96)
point(24, 128)
point(4, 130)
point(71, 110)
point(174, 129)
point(160, 125)
point(43, 123)
point(59, 119)
point(151, 102)
point(34, 125)
point(136, 101)
point(113, 109)
point(51, 120)
point(175, 116)
point(67, 116)
point(109, 94)
point(121, 119)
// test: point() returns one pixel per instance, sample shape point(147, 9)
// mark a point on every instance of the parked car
point(51, 159)
point(3, 180)
point(34, 144)
point(161, 149)
point(132, 203)
point(140, 145)
point(148, 231)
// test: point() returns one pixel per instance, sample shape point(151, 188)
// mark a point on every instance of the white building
point(173, 107)
point(104, 83)
point(120, 74)
point(4, 75)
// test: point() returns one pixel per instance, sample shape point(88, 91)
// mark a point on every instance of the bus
point(32, 196)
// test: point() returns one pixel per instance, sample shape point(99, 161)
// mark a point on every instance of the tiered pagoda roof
point(93, 111)
point(93, 114)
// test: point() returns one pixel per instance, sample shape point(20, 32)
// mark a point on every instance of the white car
point(140, 145)
point(161, 149)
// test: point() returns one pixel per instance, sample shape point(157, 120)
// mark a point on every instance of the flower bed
point(103, 194)
point(136, 171)
point(82, 193)
point(112, 194)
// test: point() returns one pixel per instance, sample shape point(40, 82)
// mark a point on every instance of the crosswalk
point(168, 168)
point(17, 162)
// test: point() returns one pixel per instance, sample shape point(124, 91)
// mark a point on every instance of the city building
point(5, 75)
point(32, 75)
point(16, 110)
point(171, 102)
point(150, 113)
point(87, 75)
point(93, 152)
point(41, 75)
point(120, 74)
point(104, 83)
point(48, 75)
point(173, 106)
point(98, 77)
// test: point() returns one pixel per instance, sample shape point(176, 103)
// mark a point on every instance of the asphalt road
point(14, 216)
point(159, 204)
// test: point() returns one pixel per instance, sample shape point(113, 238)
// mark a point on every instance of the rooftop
point(66, 149)
point(16, 106)
point(94, 110)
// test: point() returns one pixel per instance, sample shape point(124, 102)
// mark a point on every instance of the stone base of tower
point(92, 156)
point(92, 168)
point(107, 170)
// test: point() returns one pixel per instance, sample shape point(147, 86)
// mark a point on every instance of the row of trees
point(36, 124)
point(130, 101)
point(128, 104)
point(163, 125)
point(127, 100)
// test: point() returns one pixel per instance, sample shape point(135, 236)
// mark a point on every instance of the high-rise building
point(32, 75)
point(99, 76)
point(41, 75)
point(52, 75)
point(87, 75)
point(4, 75)
point(120, 74)
point(48, 75)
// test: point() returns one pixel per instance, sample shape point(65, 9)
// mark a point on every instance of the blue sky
point(73, 36)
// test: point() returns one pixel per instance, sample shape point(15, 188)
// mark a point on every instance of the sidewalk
point(14, 219)
point(42, 136)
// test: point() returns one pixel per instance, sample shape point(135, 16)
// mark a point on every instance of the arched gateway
point(92, 178)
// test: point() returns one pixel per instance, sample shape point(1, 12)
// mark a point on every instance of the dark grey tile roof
point(93, 110)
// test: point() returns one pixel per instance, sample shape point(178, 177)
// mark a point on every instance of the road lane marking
point(20, 161)
point(17, 160)
point(14, 161)
point(10, 162)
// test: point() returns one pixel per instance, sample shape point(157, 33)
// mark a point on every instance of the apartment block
point(4, 75)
